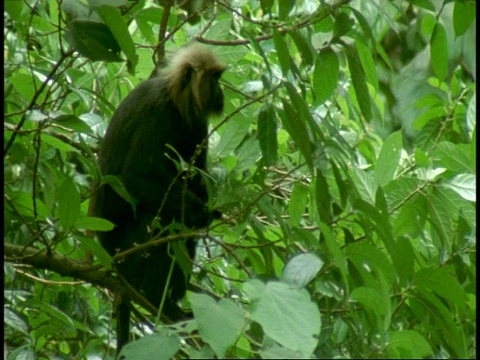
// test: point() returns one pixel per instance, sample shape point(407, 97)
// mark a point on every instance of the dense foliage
point(344, 166)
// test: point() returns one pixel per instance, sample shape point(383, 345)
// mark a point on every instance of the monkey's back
point(136, 148)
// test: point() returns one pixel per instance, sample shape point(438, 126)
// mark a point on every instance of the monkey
point(162, 119)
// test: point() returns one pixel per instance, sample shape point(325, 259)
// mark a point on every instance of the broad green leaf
point(298, 203)
point(446, 328)
point(301, 269)
point(297, 130)
point(432, 114)
point(441, 282)
point(219, 323)
point(155, 346)
point(359, 83)
point(368, 258)
point(302, 42)
point(267, 134)
point(117, 25)
point(289, 317)
point(439, 52)
point(343, 24)
point(284, 8)
point(93, 39)
point(90, 243)
point(57, 143)
point(454, 157)
point(403, 260)
point(440, 217)
point(23, 203)
point(336, 252)
point(408, 344)
point(426, 4)
point(389, 158)
point(464, 185)
point(375, 304)
point(116, 183)
point(304, 111)
point(233, 135)
point(463, 16)
point(367, 30)
point(326, 75)
point(94, 224)
point(73, 123)
point(399, 190)
point(411, 218)
point(322, 197)
point(68, 204)
point(282, 52)
point(340, 330)
point(368, 64)
point(428, 24)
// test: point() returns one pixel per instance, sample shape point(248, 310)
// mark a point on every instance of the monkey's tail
point(122, 310)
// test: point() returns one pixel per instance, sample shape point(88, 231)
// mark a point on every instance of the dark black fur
point(134, 149)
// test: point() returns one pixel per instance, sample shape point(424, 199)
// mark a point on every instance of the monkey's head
point(192, 78)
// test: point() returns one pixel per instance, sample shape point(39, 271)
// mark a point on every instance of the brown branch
point(93, 274)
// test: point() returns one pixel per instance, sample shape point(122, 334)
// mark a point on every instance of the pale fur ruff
point(198, 57)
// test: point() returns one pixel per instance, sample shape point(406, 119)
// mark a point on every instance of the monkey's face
point(213, 103)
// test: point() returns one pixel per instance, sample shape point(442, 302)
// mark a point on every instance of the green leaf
point(433, 113)
point(90, 243)
point(58, 144)
point(439, 52)
point(374, 303)
point(464, 14)
point(282, 52)
point(368, 64)
point(119, 29)
point(336, 252)
point(302, 42)
point(368, 258)
point(304, 111)
point(403, 258)
point(464, 185)
point(155, 346)
point(301, 269)
point(441, 282)
point(389, 158)
point(267, 134)
point(94, 224)
point(454, 157)
point(93, 40)
point(326, 75)
point(322, 196)
point(343, 24)
point(359, 84)
point(117, 185)
point(284, 8)
point(23, 204)
point(297, 130)
point(288, 316)
point(298, 203)
point(411, 217)
point(444, 328)
point(440, 218)
point(408, 344)
point(68, 204)
point(73, 123)
point(219, 323)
